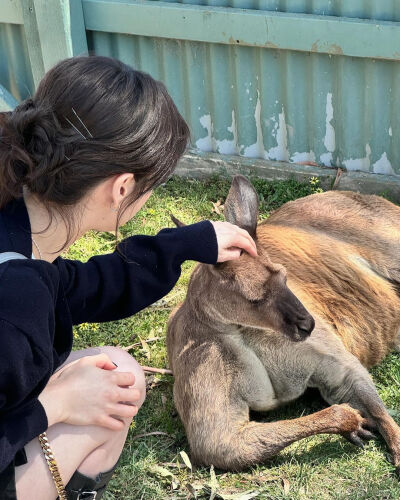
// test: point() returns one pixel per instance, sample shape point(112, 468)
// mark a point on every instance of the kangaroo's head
point(251, 291)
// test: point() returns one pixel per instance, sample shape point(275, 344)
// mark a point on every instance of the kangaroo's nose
point(306, 325)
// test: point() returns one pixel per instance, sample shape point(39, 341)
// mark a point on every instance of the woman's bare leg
point(89, 449)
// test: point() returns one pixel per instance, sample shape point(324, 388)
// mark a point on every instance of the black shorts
point(7, 477)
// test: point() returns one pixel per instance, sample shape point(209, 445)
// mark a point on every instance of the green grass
point(152, 467)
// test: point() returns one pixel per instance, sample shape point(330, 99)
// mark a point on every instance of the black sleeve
point(114, 286)
point(21, 369)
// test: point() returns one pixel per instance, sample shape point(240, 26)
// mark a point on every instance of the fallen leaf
point(213, 483)
point(129, 347)
point(286, 485)
point(186, 459)
point(146, 348)
point(217, 207)
point(160, 471)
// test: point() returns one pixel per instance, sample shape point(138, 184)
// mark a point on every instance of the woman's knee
point(126, 363)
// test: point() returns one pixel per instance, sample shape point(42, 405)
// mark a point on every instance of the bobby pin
point(85, 127)
point(79, 132)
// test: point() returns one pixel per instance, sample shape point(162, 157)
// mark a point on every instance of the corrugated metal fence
point(315, 81)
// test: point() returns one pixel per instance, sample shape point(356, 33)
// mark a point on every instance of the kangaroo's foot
point(355, 387)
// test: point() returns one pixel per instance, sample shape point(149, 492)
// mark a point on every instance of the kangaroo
point(317, 307)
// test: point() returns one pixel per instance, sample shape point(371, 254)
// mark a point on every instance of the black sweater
point(40, 301)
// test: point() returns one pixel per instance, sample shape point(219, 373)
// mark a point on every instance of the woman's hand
point(89, 392)
point(232, 240)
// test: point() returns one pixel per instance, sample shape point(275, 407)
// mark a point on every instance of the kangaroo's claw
point(366, 434)
point(354, 438)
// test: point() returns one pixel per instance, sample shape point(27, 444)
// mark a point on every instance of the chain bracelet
point(52, 464)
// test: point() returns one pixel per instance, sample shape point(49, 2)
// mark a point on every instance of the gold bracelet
point(51, 462)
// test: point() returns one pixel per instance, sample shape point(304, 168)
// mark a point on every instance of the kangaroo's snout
point(304, 328)
point(297, 322)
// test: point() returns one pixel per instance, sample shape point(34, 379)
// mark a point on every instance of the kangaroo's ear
point(176, 221)
point(241, 205)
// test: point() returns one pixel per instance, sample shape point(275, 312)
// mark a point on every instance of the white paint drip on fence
point(206, 143)
point(226, 146)
point(257, 150)
point(280, 151)
point(280, 132)
point(359, 163)
point(303, 157)
point(330, 137)
point(209, 143)
point(383, 166)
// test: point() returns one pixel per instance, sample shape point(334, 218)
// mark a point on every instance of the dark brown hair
point(91, 118)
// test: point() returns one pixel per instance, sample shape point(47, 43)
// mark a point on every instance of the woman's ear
point(122, 186)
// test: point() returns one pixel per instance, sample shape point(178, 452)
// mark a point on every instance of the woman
point(84, 153)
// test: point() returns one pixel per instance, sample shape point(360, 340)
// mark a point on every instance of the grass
point(153, 467)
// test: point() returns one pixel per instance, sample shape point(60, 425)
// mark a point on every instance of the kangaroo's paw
point(355, 428)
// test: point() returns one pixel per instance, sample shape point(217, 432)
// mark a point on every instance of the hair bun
point(35, 129)
point(28, 148)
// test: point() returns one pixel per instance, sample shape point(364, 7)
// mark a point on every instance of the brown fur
point(231, 343)
point(340, 287)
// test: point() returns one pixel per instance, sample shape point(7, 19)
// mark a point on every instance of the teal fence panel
point(303, 81)
point(39, 33)
point(15, 70)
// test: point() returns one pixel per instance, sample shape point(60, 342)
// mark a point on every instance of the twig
point(163, 371)
point(156, 433)
point(136, 344)
point(339, 174)
point(312, 163)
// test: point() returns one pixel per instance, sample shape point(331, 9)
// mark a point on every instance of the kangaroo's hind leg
point(342, 379)
point(216, 418)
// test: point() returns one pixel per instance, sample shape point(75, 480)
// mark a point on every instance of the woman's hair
point(91, 118)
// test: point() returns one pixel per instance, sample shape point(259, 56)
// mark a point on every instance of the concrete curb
point(202, 165)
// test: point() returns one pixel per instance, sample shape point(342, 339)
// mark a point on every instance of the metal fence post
point(54, 31)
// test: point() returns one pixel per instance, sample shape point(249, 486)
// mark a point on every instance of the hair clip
point(85, 127)
point(79, 132)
